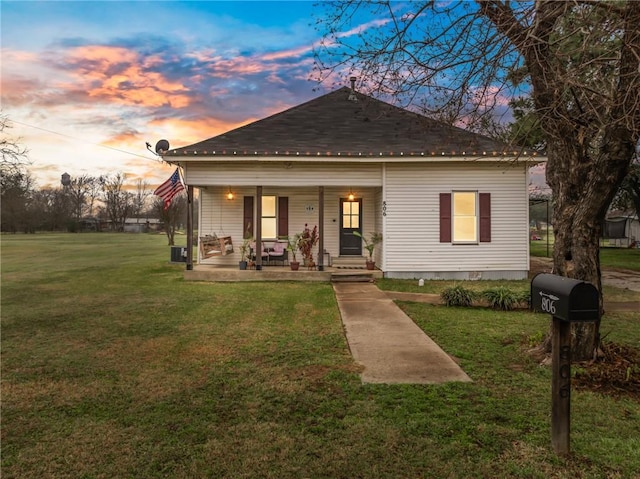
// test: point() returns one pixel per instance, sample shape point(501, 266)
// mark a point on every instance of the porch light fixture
point(351, 196)
point(230, 195)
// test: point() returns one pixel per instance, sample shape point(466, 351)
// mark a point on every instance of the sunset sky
point(86, 84)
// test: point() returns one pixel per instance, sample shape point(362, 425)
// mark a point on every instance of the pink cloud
point(130, 84)
point(109, 74)
point(16, 57)
point(180, 132)
point(291, 53)
point(490, 96)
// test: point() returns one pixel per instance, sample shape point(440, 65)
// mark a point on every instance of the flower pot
point(294, 265)
point(371, 265)
point(242, 264)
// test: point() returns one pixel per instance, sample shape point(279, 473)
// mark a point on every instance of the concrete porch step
point(348, 262)
point(353, 277)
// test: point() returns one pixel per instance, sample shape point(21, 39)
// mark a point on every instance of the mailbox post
point(566, 300)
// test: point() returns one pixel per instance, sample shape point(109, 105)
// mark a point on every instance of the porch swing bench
point(213, 245)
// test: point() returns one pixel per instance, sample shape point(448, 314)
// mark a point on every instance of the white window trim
point(477, 218)
point(275, 197)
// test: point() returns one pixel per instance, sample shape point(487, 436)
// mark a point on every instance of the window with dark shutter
point(283, 216)
point(465, 220)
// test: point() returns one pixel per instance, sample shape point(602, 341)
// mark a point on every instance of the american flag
point(169, 188)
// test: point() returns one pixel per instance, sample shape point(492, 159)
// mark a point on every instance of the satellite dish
point(162, 147)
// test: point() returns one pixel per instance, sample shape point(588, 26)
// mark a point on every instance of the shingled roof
point(346, 123)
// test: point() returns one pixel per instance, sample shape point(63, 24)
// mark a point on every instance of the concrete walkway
point(387, 343)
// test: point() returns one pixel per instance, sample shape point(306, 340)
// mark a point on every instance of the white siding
point(412, 243)
point(400, 200)
point(222, 217)
point(378, 227)
point(283, 174)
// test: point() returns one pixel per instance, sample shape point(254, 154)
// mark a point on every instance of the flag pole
point(189, 219)
point(189, 227)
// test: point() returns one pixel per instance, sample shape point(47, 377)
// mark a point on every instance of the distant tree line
point(80, 203)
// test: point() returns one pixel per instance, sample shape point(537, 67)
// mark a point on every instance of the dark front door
point(350, 221)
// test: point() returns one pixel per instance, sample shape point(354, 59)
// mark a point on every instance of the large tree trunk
point(588, 156)
point(582, 195)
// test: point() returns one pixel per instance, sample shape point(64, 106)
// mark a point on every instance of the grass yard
point(610, 257)
point(610, 294)
point(623, 258)
point(114, 367)
point(540, 248)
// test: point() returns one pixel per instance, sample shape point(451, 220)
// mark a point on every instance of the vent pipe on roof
point(352, 94)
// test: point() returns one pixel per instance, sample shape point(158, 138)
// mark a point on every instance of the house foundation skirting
point(459, 275)
point(277, 273)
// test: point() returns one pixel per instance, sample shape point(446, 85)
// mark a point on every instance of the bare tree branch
point(581, 59)
point(14, 155)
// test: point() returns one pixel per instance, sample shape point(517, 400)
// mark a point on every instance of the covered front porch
point(258, 216)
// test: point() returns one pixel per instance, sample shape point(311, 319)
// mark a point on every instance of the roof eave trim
point(364, 158)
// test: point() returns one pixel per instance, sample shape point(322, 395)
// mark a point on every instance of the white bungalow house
point(449, 204)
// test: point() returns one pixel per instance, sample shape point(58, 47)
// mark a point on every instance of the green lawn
point(610, 294)
point(624, 258)
point(114, 367)
point(541, 248)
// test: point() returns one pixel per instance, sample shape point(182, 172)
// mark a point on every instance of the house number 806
point(548, 305)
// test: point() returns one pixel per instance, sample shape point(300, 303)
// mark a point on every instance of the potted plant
point(244, 249)
point(292, 245)
point(306, 241)
point(370, 246)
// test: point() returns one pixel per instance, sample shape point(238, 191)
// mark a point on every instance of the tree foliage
point(140, 197)
point(52, 210)
point(82, 192)
point(627, 198)
point(118, 202)
point(172, 217)
point(14, 156)
point(16, 184)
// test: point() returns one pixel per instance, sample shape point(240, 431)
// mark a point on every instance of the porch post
point(258, 228)
point(321, 228)
point(189, 227)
